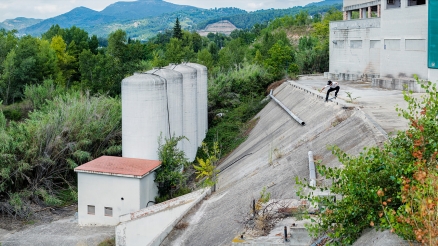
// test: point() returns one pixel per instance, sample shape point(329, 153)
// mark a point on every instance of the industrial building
point(385, 41)
point(156, 105)
point(111, 186)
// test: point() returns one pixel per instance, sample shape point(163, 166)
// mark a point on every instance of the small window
point(374, 44)
point(415, 44)
point(390, 4)
point(416, 2)
point(109, 211)
point(91, 209)
point(392, 44)
point(355, 44)
point(338, 44)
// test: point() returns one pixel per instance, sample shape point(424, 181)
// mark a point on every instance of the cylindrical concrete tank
point(144, 115)
point(190, 110)
point(174, 88)
point(202, 100)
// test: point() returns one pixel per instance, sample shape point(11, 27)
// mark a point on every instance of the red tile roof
point(119, 166)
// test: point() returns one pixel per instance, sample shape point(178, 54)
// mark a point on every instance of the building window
point(355, 44)
point(415, 44)
point(109, 211)
point(390, 4)
point(392, 44)
point(338, 44)
point(416, 2)
point(91, 209)
point(374, 44)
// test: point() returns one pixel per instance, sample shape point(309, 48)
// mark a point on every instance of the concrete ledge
point(397, 84)
point(362, 5)
point(321, 96)
point(351, 76)
point(150, 226)
point(355, 24)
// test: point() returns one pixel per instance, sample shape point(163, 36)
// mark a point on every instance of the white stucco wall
point(404, 23)
point(151, 225)
point(148, 190)
point(345, 56)
point(106, 191)
point(433, 75)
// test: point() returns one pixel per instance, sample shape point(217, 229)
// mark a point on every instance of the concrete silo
point(174, 89)
point(202, 102)
point(144, 115)
point(190, 110)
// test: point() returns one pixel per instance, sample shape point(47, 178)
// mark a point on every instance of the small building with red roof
point(111, 186)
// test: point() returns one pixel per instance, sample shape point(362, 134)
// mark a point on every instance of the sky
point(44, 9)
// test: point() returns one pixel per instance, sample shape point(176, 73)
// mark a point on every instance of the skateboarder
point(334, 86)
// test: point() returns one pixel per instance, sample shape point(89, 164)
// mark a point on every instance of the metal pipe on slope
point(287, 110)
point(312, 172)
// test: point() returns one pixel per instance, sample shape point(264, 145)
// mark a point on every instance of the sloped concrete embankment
point(275, 152)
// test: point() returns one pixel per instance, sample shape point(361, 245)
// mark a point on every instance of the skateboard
point(331, 99)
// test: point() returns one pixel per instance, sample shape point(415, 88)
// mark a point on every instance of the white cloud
point(255, 6)
point(47, 9)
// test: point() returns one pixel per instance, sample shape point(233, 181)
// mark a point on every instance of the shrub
point(392, 187)
point(170, 176)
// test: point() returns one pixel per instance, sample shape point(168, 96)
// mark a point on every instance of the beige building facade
point(381, 40)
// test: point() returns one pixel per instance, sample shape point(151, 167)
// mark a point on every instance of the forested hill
point(247, 20)
point(111, 15)
point(145, 18)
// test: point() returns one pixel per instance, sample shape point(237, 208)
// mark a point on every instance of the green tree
point(117, 46)
point(169, 176)
point(174, 51)
point(93, 44)
point(54, 30)
point(8, 41)
point(64, 60)
point(205, 58)
point(280, 58)
point(7, 79)
point(177, 32)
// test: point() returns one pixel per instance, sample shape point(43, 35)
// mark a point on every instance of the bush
point(390, 187)
point(38, 155)
point(170, 176)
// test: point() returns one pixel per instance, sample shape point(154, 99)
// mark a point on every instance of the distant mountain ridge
point(117, 12)
point(142, 19)
point(19, 23)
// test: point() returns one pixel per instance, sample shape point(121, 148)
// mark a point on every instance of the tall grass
point(38, 155)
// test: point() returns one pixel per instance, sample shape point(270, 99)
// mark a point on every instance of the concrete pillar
point(360, 13)
point(345, 15)
point(369, 12)
point(378, 10)
point(348, 15)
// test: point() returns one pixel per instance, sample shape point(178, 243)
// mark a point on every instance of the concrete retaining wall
point(397, 84)
point(151, 225)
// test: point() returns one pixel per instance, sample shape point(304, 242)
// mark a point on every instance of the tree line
point(66, 86)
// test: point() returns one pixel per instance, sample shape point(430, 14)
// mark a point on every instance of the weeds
point(350, 97)
point(338, 120)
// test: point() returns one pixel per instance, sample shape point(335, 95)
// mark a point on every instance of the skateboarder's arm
point(323, 88)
